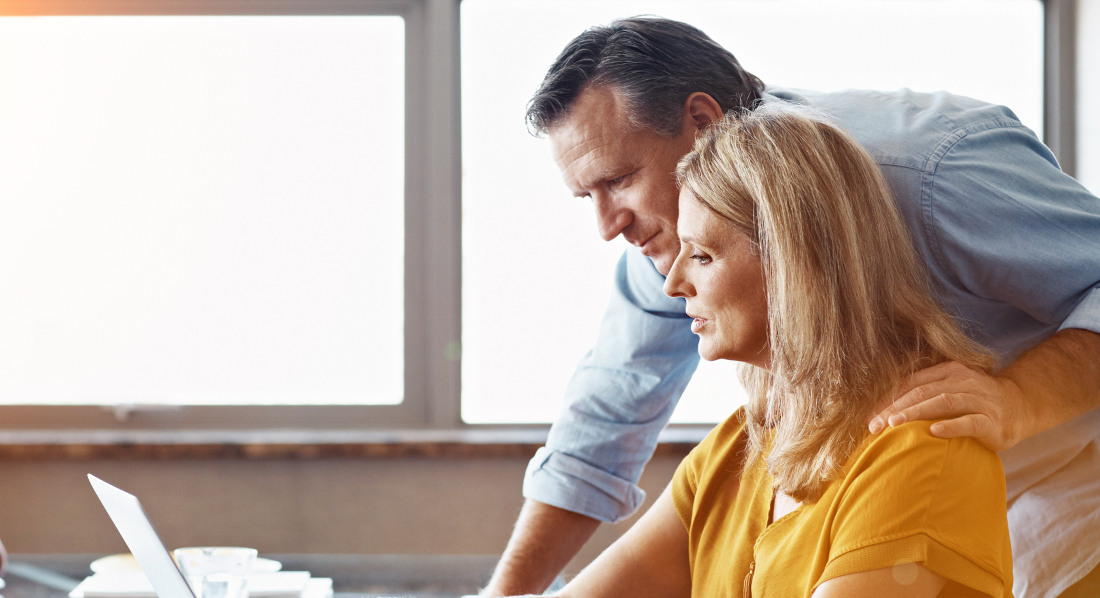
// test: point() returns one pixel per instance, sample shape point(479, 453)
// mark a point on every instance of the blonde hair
point(850, 309)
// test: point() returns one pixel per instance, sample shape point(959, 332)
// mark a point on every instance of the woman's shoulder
point(909, 457)
point(722, 450)
point(914, 440)
point(906, 481)
point(726, 438)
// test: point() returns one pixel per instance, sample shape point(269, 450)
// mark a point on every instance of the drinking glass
point(216, 571)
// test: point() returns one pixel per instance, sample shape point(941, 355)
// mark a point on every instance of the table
point(353, 575)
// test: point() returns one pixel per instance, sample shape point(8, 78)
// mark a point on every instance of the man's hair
point(850, 307)
point(653, 63)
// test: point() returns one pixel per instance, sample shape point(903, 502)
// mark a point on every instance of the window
point(202, 210)
point(431, 307)
point(227, 215)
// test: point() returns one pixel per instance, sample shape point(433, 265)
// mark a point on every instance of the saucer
point(119, 563)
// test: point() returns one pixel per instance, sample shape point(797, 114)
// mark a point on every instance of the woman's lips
point(697, 324)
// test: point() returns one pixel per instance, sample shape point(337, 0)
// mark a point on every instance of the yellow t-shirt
point(904, 497)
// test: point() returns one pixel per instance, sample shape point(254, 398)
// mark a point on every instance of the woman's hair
point(850, 309)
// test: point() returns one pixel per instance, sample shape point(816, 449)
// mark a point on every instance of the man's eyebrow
point(599, 179)
point(583, 190)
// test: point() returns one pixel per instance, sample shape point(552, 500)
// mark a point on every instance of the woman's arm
point(908, 580)
point(650, 559)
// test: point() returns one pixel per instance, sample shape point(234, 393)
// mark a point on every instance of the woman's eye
point(702, 259)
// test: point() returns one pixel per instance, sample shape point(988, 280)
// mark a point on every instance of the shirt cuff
point(559, 480)
point(1087, 313)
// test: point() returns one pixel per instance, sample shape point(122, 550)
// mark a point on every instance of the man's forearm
point(1060, 378)
point(543, 542)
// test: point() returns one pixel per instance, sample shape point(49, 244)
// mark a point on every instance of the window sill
point(468, 443)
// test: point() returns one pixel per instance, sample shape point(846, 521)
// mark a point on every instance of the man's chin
point(663, 263)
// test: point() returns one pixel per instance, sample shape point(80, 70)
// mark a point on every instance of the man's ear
point(700, 111)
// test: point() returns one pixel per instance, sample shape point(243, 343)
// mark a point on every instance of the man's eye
point(701, 258)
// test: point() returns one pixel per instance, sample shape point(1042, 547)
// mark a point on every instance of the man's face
point(628, 174)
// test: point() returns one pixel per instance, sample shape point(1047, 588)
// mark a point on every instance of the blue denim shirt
point(1013, 243)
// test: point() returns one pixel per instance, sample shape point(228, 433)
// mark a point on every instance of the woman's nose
point(676, 285)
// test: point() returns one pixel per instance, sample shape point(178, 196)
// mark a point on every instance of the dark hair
point(653, 63)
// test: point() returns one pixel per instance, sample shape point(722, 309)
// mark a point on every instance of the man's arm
point(620, 397)
point(1052, 383)
point(545, 539)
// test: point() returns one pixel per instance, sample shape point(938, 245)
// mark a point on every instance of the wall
point(379, 506)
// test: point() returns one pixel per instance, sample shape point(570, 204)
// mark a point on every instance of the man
point(1012, 243)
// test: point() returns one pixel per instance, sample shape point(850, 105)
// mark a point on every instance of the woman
point(795, 262)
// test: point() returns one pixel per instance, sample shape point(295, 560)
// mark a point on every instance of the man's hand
point(986, 407)
point(1052, 383)
point(545, 539)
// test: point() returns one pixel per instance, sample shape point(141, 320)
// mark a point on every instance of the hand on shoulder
point(970, 403)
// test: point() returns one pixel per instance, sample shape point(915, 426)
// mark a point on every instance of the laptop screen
point(142, 540)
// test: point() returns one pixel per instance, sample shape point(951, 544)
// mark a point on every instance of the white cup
point(216, 571)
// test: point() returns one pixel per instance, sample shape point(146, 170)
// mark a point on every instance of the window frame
point(1060, 81)
point(433, 209)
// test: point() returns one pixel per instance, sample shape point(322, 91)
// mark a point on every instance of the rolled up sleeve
point(618, 401)
point(560, 480)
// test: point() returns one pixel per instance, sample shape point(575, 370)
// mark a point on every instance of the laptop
point(142, 540)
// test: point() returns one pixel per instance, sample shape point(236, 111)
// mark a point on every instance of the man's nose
point(610, 219)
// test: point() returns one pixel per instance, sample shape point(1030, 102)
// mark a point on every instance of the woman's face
point(723, 282)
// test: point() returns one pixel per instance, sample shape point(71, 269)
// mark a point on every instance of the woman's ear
point(700, 112)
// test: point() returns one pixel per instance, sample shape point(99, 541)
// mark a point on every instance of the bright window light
point(201, 210)
point(536, 277)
